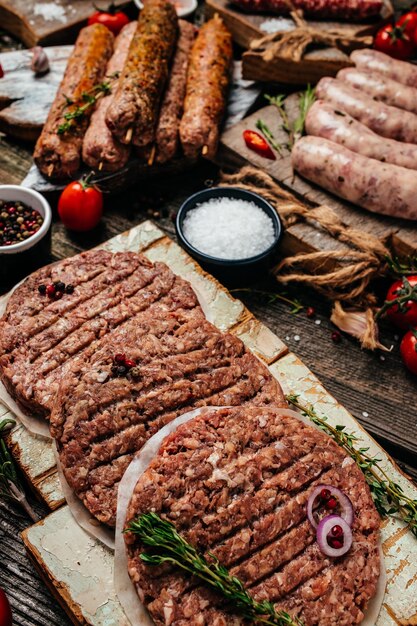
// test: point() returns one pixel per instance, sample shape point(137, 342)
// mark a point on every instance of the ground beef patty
point(236, 484)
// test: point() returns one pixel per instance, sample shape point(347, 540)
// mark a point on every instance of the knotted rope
point(338, 275)
point(293, 44)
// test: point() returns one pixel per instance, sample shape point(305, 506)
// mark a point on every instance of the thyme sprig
point(267, 133)
point(402, 267)
point(405, 294)
point(169, 547)
point(88, 98)
point(271, 297)
point(10, 486)
point(388, 496)
point(296, 128)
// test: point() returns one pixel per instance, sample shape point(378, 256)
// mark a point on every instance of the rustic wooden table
point(375, 387)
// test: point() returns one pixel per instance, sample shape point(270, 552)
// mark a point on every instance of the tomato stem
point(406, 294)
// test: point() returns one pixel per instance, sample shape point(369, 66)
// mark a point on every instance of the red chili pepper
point(258, 144)
point(1, 71)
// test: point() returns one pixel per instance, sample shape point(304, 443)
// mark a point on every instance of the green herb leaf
point(170, 547)
point(388, 496)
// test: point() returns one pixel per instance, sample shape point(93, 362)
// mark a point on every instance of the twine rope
point(292, 45)
point(338, 275)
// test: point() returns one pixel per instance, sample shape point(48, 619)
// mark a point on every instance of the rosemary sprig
point(267, 133)
point(89, 98)
point(295, 304)
point(402, 267)
point(306, 100)
point(388, 496)
point(406, 293)
point(169, 547)
point(294, 129)
point(10, 487)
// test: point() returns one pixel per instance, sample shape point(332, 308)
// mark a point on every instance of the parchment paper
point(125, 589)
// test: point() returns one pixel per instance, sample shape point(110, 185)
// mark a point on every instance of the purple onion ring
point(345, 504)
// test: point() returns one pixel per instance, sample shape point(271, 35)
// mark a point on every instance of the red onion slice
point(323, 531)
point(345, 504)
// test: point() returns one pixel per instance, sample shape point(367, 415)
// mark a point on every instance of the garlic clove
point(359, 324)
point(40, 62)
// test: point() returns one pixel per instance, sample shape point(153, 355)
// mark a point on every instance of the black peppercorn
point(59, 286)
point(69, 289)
point(42, 289)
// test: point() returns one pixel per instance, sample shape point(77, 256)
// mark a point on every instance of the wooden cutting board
point(399, 235)
point(246, 27)
point(79, 570)
point(47, 21)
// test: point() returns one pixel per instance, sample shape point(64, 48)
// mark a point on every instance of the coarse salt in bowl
point(232, 232)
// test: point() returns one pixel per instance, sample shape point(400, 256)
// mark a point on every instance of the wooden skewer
point(100, 166)
point(152, 155)
point(129, 134)
point(204, 150)
point(51, 170)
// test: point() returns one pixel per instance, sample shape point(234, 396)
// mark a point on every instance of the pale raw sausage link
point(373, 185)
point(100, 149)
point(58, 155)
point(381, 88)
point(374, 61)
point(382, 119)
point(167, 132)
point(323, 120)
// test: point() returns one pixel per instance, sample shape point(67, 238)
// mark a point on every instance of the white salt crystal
point(297, 337)
point(318, 322)
point(227, 228)
point(365, 414)
point(277, 24)
point(50, 11)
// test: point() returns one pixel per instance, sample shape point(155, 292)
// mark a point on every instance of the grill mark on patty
point(158, 372)
point(106, 306)
point(61, 308)
point(169, 396)
point(43, 276)
point(118, 443)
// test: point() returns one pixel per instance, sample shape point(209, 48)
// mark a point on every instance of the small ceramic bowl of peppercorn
point(25, 233)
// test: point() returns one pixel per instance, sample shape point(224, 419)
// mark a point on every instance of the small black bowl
point(233, 272)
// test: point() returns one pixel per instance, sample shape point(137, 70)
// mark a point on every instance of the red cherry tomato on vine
point(394, 41)
point(112, 18)
point(404, 316)
point(408, 349)
point(409, 22)
point(80, 206)
point(5, 610)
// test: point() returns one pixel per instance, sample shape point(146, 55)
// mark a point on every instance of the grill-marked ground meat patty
point(236, 484)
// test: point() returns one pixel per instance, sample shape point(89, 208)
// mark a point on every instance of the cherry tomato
point(394, 41)
point(110, 17)
point(408, 349)
point(409, 22)
point(80, 206)
point(258, 144)
point(5, 610)
point(403, 318)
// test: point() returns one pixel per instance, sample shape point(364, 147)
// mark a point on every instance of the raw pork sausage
point(207, 83)
point(58, 155)
point(133, 112)
point(381, 88)
point(100, 149)
point(382, 119)
point(373, 185)
point(376, 61)
point(325, 121)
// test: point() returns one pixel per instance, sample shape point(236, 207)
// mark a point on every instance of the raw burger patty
point(100, 420)
point(236, 483)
